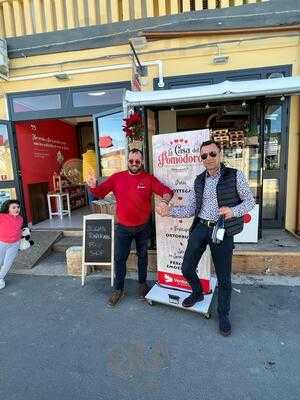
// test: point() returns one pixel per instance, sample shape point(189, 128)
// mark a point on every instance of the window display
point(7, 194)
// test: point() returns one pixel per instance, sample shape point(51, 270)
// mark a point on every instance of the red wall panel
point(40, 145)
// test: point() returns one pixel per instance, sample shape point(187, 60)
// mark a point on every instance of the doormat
point(43, 242)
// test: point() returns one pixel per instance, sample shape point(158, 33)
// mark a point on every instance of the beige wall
point(181, 56)
point(293, 165)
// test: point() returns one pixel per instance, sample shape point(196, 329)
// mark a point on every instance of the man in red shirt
point(133, 190)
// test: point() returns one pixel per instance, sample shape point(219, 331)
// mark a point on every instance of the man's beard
point(135, 171)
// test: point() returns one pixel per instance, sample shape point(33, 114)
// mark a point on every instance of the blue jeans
point(123, 239)
point(221, 253)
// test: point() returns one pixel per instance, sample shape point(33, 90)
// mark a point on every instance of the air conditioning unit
point(3, 57)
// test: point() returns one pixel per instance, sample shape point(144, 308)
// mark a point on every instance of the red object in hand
point(247, 218)
point(105, 142)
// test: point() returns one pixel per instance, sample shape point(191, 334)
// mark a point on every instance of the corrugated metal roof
point(271, 13)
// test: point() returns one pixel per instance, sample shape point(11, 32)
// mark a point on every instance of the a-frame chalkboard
point(98, 242)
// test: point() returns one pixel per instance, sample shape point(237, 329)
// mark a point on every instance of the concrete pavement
point(59, 341)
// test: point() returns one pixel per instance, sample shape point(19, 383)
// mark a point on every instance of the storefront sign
point(176, 162)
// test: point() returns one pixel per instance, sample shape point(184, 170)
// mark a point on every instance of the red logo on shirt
point(141, 186)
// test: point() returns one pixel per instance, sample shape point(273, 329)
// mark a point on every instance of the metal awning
point(220, 91)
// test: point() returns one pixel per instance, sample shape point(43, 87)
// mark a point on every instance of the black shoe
point(143, 290)
point(191, 300)
point(115, 297)
point(224, 326)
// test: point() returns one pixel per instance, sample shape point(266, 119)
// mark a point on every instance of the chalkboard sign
point(98, 241)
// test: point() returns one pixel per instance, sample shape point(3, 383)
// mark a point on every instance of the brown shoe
point(115, 297)
point(143, 290)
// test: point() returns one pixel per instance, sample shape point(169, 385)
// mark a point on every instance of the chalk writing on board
point(98, 252)
point(92, 235)
point(94, 228)
point(93, 244)
point(98, 241)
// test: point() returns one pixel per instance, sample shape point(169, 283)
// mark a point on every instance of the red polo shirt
point(133, 195)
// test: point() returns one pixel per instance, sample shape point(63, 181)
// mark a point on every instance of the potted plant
point(134, 130)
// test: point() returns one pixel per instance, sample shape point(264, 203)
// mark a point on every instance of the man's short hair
point(208, 142)
point(134, 151)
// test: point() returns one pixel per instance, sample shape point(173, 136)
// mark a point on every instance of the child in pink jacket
point(10, 235)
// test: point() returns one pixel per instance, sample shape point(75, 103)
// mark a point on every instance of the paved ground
point(59, 341)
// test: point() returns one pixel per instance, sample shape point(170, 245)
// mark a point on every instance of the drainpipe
point(157, 63)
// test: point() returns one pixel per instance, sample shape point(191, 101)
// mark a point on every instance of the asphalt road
point(59, 341)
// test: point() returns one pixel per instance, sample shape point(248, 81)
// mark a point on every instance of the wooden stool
point(59, 204)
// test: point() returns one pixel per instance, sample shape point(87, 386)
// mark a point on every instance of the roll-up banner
point(176, 162)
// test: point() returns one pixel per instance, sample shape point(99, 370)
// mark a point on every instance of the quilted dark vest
point(227, 196)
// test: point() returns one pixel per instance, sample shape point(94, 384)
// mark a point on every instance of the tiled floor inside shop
point(73, 222)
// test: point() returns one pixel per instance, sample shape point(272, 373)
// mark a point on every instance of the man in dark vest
point(218, 191)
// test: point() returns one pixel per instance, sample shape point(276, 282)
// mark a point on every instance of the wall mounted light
point(220, 59)
point(244, 104)
point(62, 76)
point(282, 98)
point(139, 42)
point(207, 106)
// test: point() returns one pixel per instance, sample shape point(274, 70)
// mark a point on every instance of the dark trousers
point(221, 253)
point(124, 236)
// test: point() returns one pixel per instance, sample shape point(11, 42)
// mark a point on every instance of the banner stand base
point(172, 297)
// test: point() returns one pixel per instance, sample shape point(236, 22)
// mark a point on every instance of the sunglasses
point(134, 162)
point(212, 154)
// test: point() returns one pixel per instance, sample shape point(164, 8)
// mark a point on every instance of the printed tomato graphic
point(247, 218)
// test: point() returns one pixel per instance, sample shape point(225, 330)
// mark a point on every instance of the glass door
point(110, 142)
point(9, 174)
point(274, 163)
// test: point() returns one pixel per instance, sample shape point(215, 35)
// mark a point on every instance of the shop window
point(272, 140)
point(7, 194)
point(6, 168)
point(112, 144)
point(231, 127)
point(271, 199)
point(36, 103)
point(98, 97)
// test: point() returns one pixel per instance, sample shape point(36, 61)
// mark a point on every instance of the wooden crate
point(103, 207)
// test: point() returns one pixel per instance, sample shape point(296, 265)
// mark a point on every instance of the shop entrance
point(54, 156)
point(253, 136)
point(58, 156)
point(54, 140)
